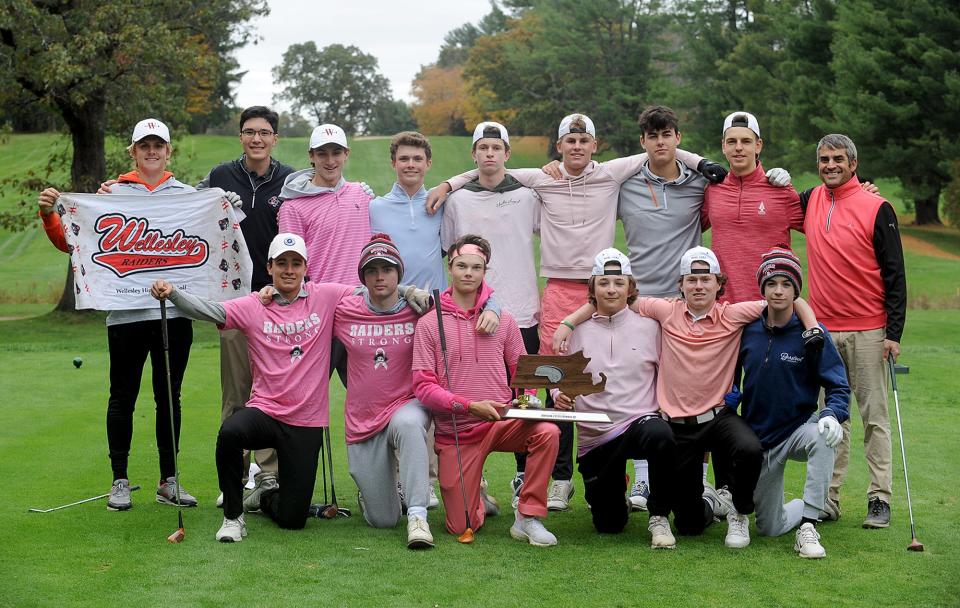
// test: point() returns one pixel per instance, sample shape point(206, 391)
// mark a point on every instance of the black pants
point(602, 468)
point(732, 443)
point(298, 449)
point(563, 467)
point(129, 345)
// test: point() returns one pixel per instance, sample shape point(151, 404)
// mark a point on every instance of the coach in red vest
point(858, 290)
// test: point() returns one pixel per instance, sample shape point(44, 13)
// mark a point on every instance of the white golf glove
point(373, 194)
point(234, 199)
point(779, 177)
point(831, 429)
point(418, 299)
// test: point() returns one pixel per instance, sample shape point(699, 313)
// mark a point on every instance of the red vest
point(846, 288)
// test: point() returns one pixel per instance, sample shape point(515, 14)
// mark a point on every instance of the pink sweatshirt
point(579, 214)
point(380, 353)
point(289, 350)
point(698, 357)
point(335, 226)
point(626, 348)
point(478, 366)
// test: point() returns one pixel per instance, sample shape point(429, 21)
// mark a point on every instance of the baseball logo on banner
point(119, 245)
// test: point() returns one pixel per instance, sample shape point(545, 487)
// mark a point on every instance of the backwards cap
point(608, 256)
point(699, 254)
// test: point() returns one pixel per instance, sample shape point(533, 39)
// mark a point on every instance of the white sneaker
point(418, 534)
point(220, 501)
point(531, 530)
point(232, 530)
point(432, 501)
point(639, 495)
point(721, 500)
point(558, 498)
point(738, 530)
point(491, 507)
point(808, 542)
point(660, 535)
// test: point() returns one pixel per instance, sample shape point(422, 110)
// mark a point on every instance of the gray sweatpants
point(373, 466)
point(805, 444)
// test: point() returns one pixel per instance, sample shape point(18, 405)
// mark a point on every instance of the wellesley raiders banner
point(119, 245)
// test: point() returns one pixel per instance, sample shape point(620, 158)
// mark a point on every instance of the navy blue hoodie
point(780, 389)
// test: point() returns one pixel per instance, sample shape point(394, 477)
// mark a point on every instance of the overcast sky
point(401, 35)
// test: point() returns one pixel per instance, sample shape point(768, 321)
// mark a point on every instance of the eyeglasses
point(263, 133)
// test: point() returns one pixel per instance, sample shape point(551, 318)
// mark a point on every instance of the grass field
point(52, 436)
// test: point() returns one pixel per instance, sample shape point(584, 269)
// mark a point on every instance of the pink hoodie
point(478, 365)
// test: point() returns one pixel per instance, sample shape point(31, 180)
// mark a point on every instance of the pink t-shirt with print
point(289, 350)
point(379, 360)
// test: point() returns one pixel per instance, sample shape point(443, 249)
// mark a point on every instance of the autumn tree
point(336, 84)
point(440, 99)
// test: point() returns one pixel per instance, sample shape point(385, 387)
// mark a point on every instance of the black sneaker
point(878, 514)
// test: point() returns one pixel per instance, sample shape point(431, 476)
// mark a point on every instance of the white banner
point(120, 244)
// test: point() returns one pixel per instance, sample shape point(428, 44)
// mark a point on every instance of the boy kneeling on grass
point(626, 348)
point(289, 349)
point(467, 404)
point(700, 337)
point(780, 387)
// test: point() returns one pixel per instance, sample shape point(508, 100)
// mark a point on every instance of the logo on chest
point(761, 208)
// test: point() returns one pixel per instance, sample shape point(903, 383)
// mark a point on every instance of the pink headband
point(468, 248)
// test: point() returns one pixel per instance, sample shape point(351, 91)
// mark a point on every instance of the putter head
point(176, 537)
point(467, 537)
point(343, 512)
point(323, 511)
point(915, 545)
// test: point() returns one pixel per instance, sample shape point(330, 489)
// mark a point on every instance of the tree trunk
point(928, 210)
point(68, 299)
point(87, 126)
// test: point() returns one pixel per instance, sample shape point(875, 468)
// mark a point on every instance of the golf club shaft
point(453, 415)
point(323, 464)
point(79, 502)
point(333, 487)
point(173, 426)
point(903, 451)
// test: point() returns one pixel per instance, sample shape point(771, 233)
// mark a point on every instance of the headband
point(466, 249)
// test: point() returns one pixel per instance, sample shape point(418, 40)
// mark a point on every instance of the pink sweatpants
point(540, 440)
point(560, 298)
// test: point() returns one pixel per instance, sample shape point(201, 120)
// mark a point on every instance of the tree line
point(885, 72)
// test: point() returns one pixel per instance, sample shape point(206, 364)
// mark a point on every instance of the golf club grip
point(163, 323)
point(436, 305)
point(893, 372)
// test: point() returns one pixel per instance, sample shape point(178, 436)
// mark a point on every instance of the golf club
point(79, 502)
point(334, 509)
point(177, 536)
point(467, 536)
point(915, 545)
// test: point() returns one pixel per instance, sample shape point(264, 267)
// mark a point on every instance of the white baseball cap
point(287, 241)
point(608, 256)
point(478, 132)
point(328, 134)
point(150, 126)
point(699, 254)
point(741, 119)
point(565, 125)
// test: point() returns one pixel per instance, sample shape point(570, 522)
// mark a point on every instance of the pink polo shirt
point(380, 355)
point(697, 357)
point(289, 350)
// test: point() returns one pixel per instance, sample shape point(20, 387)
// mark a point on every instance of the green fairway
point(52, 424)
point(52, 436)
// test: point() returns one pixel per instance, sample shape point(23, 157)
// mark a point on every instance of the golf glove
point(779, 177)
point(831, 430)
point(813, 342)
point(418, 299)
point(712, 171)
point(234, 199)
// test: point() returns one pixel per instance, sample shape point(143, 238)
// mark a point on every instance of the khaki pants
point(862, 354)
point(235, 384)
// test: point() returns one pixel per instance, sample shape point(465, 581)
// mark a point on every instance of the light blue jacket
point(415, 233)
